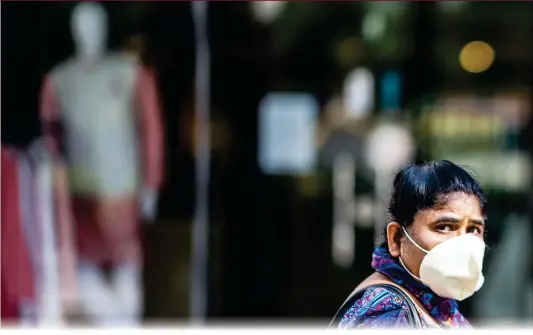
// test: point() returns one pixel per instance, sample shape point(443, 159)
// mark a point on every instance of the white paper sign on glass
point(359, 93)
point(287, 133)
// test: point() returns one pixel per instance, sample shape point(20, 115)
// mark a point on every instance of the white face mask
point(452, 269)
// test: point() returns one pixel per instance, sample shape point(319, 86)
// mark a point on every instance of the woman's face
point(456, 214)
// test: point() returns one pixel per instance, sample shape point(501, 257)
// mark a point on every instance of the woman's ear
point(393, 238)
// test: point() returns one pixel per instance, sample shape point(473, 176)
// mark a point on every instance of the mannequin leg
point(127, 274)
point(96, 297)
point(127, 284)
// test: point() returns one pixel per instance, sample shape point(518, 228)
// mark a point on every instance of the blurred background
point(313, 108)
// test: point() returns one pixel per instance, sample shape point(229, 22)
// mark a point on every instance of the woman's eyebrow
point(477, 221)
point(447, 219)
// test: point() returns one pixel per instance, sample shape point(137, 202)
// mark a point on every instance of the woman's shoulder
point(378, 307)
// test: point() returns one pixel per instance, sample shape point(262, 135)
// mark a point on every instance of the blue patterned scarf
point(443, 310)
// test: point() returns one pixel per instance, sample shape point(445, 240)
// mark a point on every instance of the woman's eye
point(444, 227)
point(474, 230)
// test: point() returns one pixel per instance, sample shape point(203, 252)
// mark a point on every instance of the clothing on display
point(30, 281)
point(113, 148)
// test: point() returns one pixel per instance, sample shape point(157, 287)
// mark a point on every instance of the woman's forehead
point(457, 204)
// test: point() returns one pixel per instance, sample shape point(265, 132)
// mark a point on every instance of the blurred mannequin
point(341, 136)
point(100, 113)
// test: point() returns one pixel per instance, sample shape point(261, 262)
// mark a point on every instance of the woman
point(432, 256)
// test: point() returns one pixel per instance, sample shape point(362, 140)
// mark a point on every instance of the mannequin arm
point(150, 130)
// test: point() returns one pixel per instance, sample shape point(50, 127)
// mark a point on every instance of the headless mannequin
point(108, 107)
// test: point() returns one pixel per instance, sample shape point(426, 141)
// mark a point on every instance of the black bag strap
point(412, 313)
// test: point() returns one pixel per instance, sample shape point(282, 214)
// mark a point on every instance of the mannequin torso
point(95, 103)
point(109, 111)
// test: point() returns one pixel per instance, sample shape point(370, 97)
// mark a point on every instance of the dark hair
point(421, 186)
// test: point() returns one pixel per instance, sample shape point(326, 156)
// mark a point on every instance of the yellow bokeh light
point(476, 57)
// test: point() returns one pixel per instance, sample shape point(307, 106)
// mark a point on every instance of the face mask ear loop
point(413, 241)
point(416, 245)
